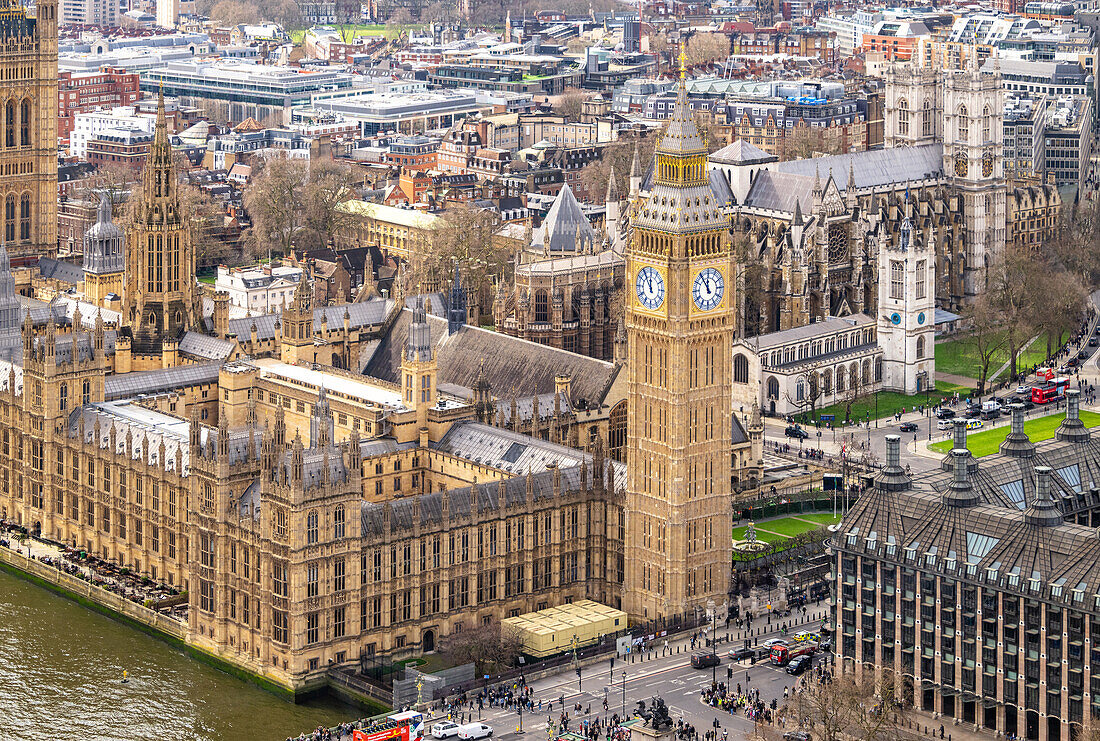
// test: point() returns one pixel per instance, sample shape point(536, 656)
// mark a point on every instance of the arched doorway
point(428, 641)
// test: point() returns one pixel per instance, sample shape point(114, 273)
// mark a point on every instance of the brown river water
point(60, 678)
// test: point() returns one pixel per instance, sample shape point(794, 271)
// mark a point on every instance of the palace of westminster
point(332, 482)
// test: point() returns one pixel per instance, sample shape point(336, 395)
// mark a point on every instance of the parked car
point(800, 664)
point(474, 731)
point(704, 660)
point(445, 729)
point(796, 432)
point(908, 427)
point(796, 736)
point(945, 424)
point(739, 654)
point(945, 413)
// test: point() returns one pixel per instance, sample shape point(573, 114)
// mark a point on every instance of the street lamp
point(624, 695)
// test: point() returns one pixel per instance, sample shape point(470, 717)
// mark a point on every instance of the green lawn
point(823, 518)
point(887, 403)
point(1040, 428)
point(780, 529)
point(208, 279)
point(960, 356)
point(764, 535)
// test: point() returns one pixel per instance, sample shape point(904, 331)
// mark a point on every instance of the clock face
point(650, 287)
point(895, 318)
point(987, 164)
point(962, 166)
point(708, 288)
point(920, 318)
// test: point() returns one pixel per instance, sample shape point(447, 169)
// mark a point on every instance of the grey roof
point(506, 450)
point(142, 424)
point(780, 191)
point(741, 153)
point(205, 346)
point(129, 385)
point(738, 430)
point(60, 270)
point(872, 169)
point(364, 313)
point(827, 326)
point(561, 222)
point(525, 406)
point(996, 530)
point(508, 362)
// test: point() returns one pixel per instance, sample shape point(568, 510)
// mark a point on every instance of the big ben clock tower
point(680, 328)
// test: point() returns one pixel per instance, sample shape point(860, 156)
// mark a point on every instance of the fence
point(433, 686)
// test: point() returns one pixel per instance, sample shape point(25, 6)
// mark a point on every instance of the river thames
point(60, 678)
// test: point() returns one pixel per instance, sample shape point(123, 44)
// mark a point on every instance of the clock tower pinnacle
point(680, 329)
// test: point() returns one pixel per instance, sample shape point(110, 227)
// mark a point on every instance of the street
point(670, 677)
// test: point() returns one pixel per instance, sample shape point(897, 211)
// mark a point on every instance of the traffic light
point(729, 672)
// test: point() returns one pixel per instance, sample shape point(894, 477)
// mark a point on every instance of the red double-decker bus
point(1053, 390)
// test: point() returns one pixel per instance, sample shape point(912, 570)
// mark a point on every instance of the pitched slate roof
point(508, 362)
point(561, 222)
point(205, 346)
point(741, 153)
point(872, 169)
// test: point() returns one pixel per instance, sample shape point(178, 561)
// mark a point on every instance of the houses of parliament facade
point(337, 482)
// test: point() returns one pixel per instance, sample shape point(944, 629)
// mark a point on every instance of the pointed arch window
point(964, 124)
point(903, 117)
point(9, 219)
point(927, 119)
point(25, 123)
point(986, 126)
point(25, 216)
point(9, 123)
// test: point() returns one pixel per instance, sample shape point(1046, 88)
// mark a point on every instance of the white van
point(474, 731)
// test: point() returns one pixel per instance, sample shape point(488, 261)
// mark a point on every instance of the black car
point(1083, 355)
point(796, 432)
point(800, 664)
point(945, 413)
point(705, 660)
point(1094, 342)
point(738, 654)
point(1028, 403)
point(908, 427)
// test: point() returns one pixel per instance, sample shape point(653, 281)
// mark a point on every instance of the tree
point(807, 402)
point(400, 17)
point(464, 238)
point(803, 141)
point(705, 48)
point(863, 704)
point(570, 103)
point(1010, 285)
point(274, 200)
point(232, 13)
point(617, 156)
point(329, 184)
point(490, 648)
point(986, 334)
point(437, 11)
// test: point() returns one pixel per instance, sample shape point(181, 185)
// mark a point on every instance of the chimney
point(959, 437)
point(960, 492)
point(1016, 443)
point(892, 477)
point(1042, 511)
point(1072, 428)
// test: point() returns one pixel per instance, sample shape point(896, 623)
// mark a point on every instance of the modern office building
point(979, 585)
point(233, 91)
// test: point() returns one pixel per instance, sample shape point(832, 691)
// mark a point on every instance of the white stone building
point(260, 290)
